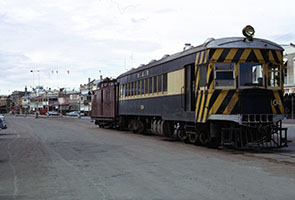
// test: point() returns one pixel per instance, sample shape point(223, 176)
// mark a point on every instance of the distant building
point(289, 73)
point(4, 104)
point(86, 95)
point(17, 99)
point(69, 100)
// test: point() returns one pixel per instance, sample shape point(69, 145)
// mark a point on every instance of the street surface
point(72, 159)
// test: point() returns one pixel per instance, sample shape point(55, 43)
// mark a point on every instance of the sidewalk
point(289, 121)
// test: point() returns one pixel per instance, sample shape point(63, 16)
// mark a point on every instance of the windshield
point(251, 74)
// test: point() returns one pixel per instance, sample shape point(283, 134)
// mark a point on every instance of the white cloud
point(85, 36)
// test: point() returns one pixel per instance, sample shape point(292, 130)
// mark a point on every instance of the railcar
point(227, 91)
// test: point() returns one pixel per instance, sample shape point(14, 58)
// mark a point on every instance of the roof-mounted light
point(248, 32)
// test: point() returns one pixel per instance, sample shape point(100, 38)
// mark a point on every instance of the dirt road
point(69, 158)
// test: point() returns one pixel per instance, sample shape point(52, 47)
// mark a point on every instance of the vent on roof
point(187, 46)
point(165, 56)
point(208, 41)
point(141, 65)
point(152, 61)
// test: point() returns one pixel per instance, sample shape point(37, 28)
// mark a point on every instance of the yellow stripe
point(210, 92)
point(197, 105)
point(216, 54)
point(196, 67)
point(258, 55)
point(245, 54)
point(201, 58)
point(207, 54)
point(279, 55)
point(273, 109)
point(236, 70)
point(271, 58)
point(231, 55)
point(231, 104)
point(202, 106)
point(278, 98)
point(218, 101)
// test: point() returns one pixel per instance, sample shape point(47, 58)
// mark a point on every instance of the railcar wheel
point(204, 138)
point(192, 138)
point(168, 128)
point(182, 135)
point(137, 126)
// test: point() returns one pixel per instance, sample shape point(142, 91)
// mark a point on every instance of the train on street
point(224, 92)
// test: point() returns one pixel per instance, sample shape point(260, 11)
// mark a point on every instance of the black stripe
point(204, 57)
point(238, 55)
point(196, 75)
point(281, 94)
point(213, 98)
point(223, 55)
point(264, 54)
point(199, 106)
point(252, 57)
point(202, 114)
point(276, 107)
point(236, 108)
point(275, 56)
point(225, 101)
point(237, 81)
point(211, 77)
point(211, 52)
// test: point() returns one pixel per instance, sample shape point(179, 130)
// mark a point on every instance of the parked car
point(48, 113)
point(2, 124)
point(2, 117)
point(74, 113)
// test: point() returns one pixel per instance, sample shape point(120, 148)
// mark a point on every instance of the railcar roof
point(230, 42)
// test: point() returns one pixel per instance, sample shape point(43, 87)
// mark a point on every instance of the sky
point(62, 43)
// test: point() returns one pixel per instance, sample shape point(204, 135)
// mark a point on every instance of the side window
point(150, 85)
point(124, 90)
point(121, 91)
point(127, 90)
point(165, 82)
point(274, 79)
point(224, 74)
point(155, 84)
point(160, 83)
point(146, 86)
point(203, 75)
point(138, 88)
point(131, 89)
point(142, 86)
point(135, 87)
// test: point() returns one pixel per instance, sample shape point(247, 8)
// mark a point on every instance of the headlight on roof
point(248, 32)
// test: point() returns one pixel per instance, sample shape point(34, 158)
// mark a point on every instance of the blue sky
point(66, 42)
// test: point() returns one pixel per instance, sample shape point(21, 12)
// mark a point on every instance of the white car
point(2, 117)
point(74, 113)
point(52, 113)
point(2, 124)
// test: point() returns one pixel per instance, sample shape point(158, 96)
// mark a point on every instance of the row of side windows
point(152, 85)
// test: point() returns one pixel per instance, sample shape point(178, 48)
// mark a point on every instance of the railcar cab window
point(274, 79)
point(251, 74)
point(224, 75)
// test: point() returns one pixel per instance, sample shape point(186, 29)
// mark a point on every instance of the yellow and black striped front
point(235, 100)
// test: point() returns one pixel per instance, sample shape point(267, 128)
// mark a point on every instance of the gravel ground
point(70, 158)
